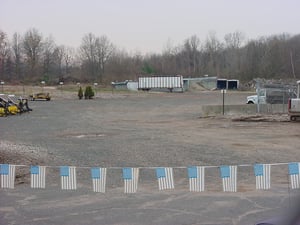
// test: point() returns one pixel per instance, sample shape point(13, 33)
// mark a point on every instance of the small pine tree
point(86, 93)
point(89, 93)
point(80, 93)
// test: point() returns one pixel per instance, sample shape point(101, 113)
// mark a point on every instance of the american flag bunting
point(228, 175)
point(68, 177)
point(165, 178)
point(98, 179)
point(294, 174)
point(7, 174)
point(196, 176)
point(262, 173)
point(130, 177)
point(37, 174)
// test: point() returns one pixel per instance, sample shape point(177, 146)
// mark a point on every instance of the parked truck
point(294, 105)
point(271, 96)
point(261, 97)
point(161, 82)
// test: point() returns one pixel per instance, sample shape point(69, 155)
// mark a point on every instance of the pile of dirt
point(20, 154)
point(197, 86)
point(262, 118)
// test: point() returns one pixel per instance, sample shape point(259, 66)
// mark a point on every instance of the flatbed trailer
point(161, 82)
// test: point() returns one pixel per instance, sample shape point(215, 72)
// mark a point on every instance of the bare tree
point(232, 53)
point(48, 57)
point(213, 48)
point(88, 54)
point(68, 56)
point(58, 54)
point(17, 54)
point(234, 40)
point(95, 52)
point(190, 48)
point(104, 50)
point(32, 44)
point(63, 57)
point(169, 58)
point(4, 53)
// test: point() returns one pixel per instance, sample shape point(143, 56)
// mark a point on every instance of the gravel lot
point(143, 130)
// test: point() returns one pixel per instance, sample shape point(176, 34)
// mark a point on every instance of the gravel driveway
point(142, 130)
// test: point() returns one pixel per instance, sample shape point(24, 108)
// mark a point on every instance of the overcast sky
point(146, 25)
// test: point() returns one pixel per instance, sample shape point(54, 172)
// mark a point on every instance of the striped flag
point(228, 175)
point(99, 179)
point(7, 173)
point(294, 175)
point(262, 173)
point(68, 177)
point(131, 178)
point(165, 178)
point(196, 178)
point(38, 176)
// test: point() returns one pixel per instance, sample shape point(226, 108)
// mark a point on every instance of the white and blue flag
point(37, 174)
point(228, 175)
point(98, 179)
point(262, 173)
point(68, 177)
point(165, 178)
point(196, 178)
point(131, 178)
point(294, 175)
point(7, 174)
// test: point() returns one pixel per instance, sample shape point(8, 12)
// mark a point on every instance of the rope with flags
point(164, 176)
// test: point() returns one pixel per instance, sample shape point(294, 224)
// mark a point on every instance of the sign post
point(43, 84)
point(61, 85)
point(2, 84)
point(223, 91)
point(95, 86)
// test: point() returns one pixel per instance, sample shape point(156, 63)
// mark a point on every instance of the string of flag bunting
point(164, 176)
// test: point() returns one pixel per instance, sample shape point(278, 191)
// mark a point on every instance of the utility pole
point(292, 63)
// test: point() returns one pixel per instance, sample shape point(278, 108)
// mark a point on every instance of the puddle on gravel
point(80, 136)
point(89, 135)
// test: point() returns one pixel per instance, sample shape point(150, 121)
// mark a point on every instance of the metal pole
point(283, 97)
point(223, 101)
point(292, 63)
point(2, 84)
point(289, 190)
point(298, 93)
point(257, 93)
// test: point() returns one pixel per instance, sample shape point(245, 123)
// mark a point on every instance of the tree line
point(31, 57)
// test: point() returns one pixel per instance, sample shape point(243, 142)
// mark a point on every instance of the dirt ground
point(143, 130)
